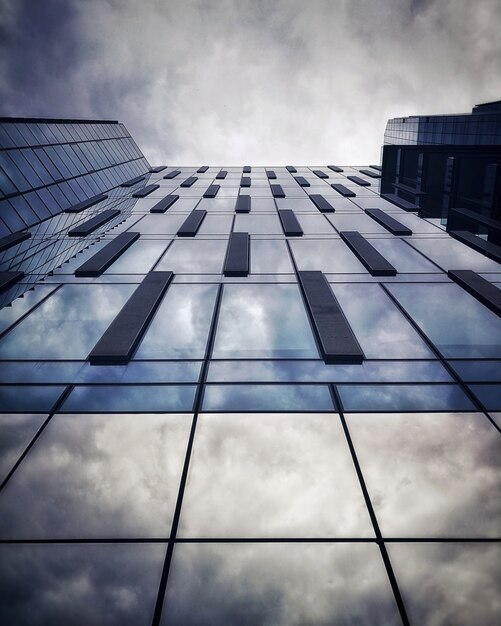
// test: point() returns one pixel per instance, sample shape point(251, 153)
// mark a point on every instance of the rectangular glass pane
point(263, 321)
point(201, 256)
point(269, 256)
point(325, 255)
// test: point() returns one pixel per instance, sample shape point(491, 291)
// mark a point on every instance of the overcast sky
point(249, 81)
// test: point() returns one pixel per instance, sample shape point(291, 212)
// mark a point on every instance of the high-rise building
point(238, 395)
point(448, 167)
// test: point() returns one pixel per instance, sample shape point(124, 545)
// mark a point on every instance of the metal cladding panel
point(192, 223)
point(85, 204)
point(323, 205)
point(376, 167)
point(100, 262)
point(277, 191)
point(159, 168)
point(164, 204)
point(88, 227)
point(291, 169)
point(290, 225)
point(221, 175)
point(7, 279)
point(247, 169)
point(335, 168)
point(481, 289)
point(243, 204)
point(320, 174)
point(344, 191)
point(271, 174)
point(390, 223)
point(237, 255)
point(211, 191)
point(132, 181)
point(301, 180)
point(12, 240)
point(245, 181)
point(336, 339)
point(189, 181)
point(120, 340)
point(172, 174)
point(367, 254)
point(487, 248)
point(145, 191)
point(203, 169)
point(359, 181)
point(370, 173)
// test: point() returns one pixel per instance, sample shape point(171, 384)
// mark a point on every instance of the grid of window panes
point(226, 474)
point(469, 129)
point(47, 167)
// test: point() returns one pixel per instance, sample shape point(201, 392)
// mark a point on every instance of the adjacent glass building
point(238, 395)
point(448, 167)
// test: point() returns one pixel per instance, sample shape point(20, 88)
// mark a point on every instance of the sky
point(261, 82)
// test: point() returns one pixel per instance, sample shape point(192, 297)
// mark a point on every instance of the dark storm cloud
point(240, 80)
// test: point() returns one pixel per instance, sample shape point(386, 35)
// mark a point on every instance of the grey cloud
point(239, 81)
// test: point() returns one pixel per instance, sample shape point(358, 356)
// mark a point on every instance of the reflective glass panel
point(16, 432)
point(197, 256)
point(93, 584)
point(273, 476)
point(339, 583)
point(257, 321)
point(181, 324)
point(139, 258)
point(269, 256)
point(267, 398)
point(326, 255)
point(67, 325)
point(380, 328)
point(458, 325)
point(441, 478)
point(448, 583)
point(98, 476)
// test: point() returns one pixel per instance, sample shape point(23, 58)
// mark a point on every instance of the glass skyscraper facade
point(239, 395)
point(448, 167)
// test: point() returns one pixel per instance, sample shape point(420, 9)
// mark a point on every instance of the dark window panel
point(336, 339)
point(481, 289)
point(277, 191)
point(189, 181)
point(243, 204)
point(145, 191)
point(37, 204)
point(367, 254)
point(344, 191)
point(24, 210)
point(237, 255)
point(88, 227)
point(12, 240)
point(48, 164)
point(8, 279)
point(245, 181)
point(335, 168)
point(323, 205)
point(211, 191)
point(13, 172)
point(192, 223)
point(85, 204)
point(490, 250)
point(400, 202)
point(100, 262)
point(132, 181)
point(359, 181)
point(6, 185)
point(164, 204)
point(10, 217)
point(172, 174)
point(390, 223)
point(301, 181)
point(124, 334)
point(320, 174)
point(202, 169)
point(290, 224)
point(370, 173)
